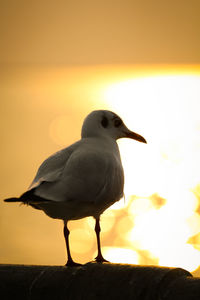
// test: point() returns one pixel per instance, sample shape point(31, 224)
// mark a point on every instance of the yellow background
point(61, 59)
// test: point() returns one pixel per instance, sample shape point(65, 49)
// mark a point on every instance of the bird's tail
point(13, 200)
point(28, 198)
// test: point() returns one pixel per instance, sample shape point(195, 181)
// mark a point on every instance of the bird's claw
point(100, 259)
point(71, 263)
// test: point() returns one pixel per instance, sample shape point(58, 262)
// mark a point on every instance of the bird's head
point(107, 123)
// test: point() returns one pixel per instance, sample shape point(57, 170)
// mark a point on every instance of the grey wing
point(88, 176)
point(51, 169)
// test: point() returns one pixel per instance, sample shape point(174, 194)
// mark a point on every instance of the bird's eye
point(117, 122)
point(104, 122)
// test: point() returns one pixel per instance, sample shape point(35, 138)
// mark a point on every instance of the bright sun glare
point(165, 110)
point(158, 221)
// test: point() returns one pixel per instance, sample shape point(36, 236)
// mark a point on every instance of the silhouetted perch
point(97, 281)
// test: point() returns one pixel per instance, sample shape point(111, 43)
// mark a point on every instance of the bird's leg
point(99, 257)
point(70, 262)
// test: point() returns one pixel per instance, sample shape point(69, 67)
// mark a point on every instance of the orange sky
point(100, 32)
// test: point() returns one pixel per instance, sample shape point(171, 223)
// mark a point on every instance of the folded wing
point(51, 169)
point(88, 175)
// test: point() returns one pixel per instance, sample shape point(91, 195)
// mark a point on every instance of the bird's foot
point(71, 263)
point(100, 259)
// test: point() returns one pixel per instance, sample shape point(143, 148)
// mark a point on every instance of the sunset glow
point(165, 110)
point(158, 220)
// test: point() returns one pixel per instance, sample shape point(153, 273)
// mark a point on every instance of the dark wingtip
point(12, 200)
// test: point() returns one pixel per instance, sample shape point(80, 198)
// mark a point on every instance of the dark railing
point(94, 281)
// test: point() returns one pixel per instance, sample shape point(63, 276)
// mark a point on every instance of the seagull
point(83, 179)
